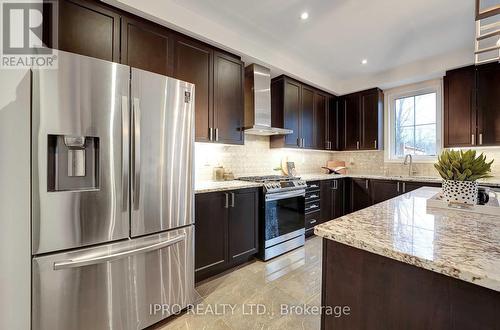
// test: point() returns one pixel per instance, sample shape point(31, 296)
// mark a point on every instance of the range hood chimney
point(258, 102)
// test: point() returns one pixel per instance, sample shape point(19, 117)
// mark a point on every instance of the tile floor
point(291, 279)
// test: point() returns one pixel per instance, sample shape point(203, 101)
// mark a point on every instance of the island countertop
point(458, 244)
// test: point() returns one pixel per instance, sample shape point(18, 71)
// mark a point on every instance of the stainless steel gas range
point(282, 214)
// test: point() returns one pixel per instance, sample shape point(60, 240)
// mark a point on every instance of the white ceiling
point(403, 40)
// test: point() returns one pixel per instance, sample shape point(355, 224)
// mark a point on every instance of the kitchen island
point(400, 265)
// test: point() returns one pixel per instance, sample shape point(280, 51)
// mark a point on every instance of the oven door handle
point(284, 195)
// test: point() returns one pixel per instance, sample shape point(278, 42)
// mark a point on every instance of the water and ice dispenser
point(73, 163)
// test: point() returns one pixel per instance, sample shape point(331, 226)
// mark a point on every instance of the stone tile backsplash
point(257, 158)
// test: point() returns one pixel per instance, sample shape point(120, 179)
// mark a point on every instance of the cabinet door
point(459, 112)
point(332, 124)
point(291, 112)
point(360, 194)
point(338, 199)
point(243, 224)
point(352, 122)
point(89, 29)
point(371, 119)
point(320, 121)
point(211, 213)
point(193, 62)
point(228, 99)
point(307, 118)
point(383, 190)
point(326, 200)
point(410, 186)
point(488, 103)
point(146, 46)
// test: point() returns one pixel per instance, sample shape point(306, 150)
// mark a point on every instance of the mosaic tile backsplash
point(257, 158)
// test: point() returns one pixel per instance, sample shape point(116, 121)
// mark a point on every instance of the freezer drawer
point(113, 286)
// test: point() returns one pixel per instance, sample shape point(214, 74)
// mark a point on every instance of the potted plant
point(460, 171)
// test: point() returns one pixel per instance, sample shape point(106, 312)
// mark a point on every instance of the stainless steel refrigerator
point(112, 195)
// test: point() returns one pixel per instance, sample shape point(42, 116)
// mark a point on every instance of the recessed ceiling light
point(364, 61)
point(304, 15)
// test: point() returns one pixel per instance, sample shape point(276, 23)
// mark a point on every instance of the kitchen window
point(414, 121)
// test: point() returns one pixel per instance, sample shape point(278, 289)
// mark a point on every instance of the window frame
point(426, 87)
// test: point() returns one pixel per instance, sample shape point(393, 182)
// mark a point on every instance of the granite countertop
point(458, 244)
point(211, 186)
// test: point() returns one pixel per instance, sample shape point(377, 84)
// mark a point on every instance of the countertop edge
point(464, 275)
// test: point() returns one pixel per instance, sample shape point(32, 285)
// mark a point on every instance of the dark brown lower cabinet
point(332, 199)
point(383, 190)
point(411, 185)
point(243, 225)
point(226, 230)
point(360, 194)
point(383, 293)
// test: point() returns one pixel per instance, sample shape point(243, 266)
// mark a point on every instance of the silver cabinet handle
point(375, 144)
point(125, 151)
point(398, 186)
point(473, 142)
point(226, 206)
point(216, 134)
point(357, 145)
point(404, 187)
point(313, 186)
point(481, 139)
point(232, 199)
point(115, 256)
point(366, 184)
point(313, 221)
point(211, 134)
point(137, 152)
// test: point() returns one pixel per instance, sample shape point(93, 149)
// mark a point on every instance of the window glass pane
point(404, 112)
point(404, 141)
point(425, 140)
point(425, 109)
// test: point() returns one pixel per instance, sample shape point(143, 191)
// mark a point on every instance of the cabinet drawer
point(312, 186)
point(312, 196)
point(311, 207)
point(312, 219)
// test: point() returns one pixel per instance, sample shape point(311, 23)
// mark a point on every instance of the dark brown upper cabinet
point(193, 62)
point(320, 126)
point(307, 118)
point(229, 109)
point(471, 99)
point(459, 111)
point(488, 104)
point(372, 119)
point(87, 28)
point(363, 120)
point(285, 111)
point(332, 119)
point(351, 122)
point(146, 46)
point(304, 110)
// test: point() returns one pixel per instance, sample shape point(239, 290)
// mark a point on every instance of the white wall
point(15, 225)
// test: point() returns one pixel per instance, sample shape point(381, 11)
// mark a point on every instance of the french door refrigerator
point(112, 195)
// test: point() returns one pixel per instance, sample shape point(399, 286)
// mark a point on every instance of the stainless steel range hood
point(258, 102)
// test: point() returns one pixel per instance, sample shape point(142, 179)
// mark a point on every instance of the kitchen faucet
point(410, 169)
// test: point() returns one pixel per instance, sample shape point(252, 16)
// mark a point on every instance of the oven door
point(284, 214)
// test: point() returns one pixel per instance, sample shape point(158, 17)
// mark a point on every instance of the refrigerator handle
point(115, 256)
point(136, 184)
point(125, 151)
